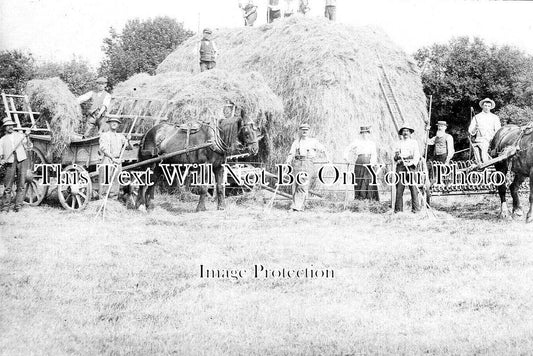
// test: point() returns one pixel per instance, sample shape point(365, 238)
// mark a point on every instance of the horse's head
point(249, 134)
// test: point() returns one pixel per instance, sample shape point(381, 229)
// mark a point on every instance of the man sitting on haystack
point(100, 100)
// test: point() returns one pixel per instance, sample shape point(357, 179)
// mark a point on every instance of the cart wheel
point(35, 189)
point(74, 196)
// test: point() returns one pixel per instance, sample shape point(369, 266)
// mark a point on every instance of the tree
point(16, 68)
point(76, 73)
point(462, 72)
point(141, 47)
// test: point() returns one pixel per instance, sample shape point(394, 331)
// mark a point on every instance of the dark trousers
point(17, 169)
point(272, 15)
point(207, 65)
point(331, 13)
point(400, 187)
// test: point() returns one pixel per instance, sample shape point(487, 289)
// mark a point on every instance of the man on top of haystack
point(249, 12)
point(304, 8)
point(208, 51)
point(483, 127)
point(273, 10)
point(99, 104)
point(331, 10)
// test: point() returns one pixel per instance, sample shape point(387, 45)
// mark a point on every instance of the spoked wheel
point(74, 188)
point(35, 189)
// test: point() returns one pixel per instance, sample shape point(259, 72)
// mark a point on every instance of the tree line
point(457, 74)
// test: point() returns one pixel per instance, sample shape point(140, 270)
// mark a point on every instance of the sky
point(58, 30)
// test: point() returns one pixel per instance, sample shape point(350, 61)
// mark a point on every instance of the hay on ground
point(56, 103)
point(326, 74)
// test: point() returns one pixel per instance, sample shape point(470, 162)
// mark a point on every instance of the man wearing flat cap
point(13, 146)
point(443, 142)
point(100, 100)
point(483, 127)
point(111, 144)
point(208, 51)
point(301, 156)
point(366, 153)
point(407, 156)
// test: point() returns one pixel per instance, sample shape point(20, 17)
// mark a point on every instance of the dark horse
point(509, 138)
point(226, 135)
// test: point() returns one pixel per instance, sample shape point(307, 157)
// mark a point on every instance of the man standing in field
point(301, 156)
point(331, 10)
point(366, 153)
point(273, 10)
point(407, 156)
point(483, 127)
point(13, 146)
point(111, 143)
point(100, 100)
point(443, 143)
point(208, 51)
point(250, 13)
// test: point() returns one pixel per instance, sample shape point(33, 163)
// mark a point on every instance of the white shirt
point(409, 148)
point(8, 142)
point(484, 126)
point(306, 147)
point(102, 96)
point(362, 147)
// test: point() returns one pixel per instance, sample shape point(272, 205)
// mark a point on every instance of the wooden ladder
point(390, 97)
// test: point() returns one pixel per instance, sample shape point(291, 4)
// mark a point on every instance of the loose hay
point(204, 96)
point(56, 103)
point(325, 72)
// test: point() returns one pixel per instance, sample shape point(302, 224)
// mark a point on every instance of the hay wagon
point(81, 156)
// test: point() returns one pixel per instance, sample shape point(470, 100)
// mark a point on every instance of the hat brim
point(405, 128)
point(113, 120)
point(492, 103)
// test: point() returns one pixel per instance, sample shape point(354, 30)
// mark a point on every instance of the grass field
point(404, 284)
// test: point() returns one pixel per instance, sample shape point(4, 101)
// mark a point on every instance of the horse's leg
point(201, 201)
point(219, 179)
point(140, 197)
point(515, 186)
point(529, 218)
point(502, 189)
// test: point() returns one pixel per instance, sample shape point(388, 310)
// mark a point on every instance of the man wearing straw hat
point(13, 146)
point(483, 127)
point(365, 150)
point(443, 143)
point(100, 100)
point(331, 10)
point(407, 156)
point(111, 144)
point(303, 151)
point(208, 51)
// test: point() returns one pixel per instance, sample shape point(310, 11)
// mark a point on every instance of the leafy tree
point(140, 47)
point(462, 72)
point(76, 73)
point(512, 114)
point(16, 68)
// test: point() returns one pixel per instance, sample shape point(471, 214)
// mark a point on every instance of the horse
point(507, 139)
point(225, 136)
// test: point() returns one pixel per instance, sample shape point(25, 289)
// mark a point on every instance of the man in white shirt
point(407, 156)
point(443, 142)
point(331, 10)
point(366, 153)
point(99, 105)
point(249, 12)
point(301, 156)
point(484, 126)
point(111, 143)
point(13, 146)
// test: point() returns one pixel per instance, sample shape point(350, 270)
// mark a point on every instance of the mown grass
point(404, 284)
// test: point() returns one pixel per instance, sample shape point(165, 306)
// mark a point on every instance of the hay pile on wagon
point(326, 74)
point(206, 96)
point(57, 105)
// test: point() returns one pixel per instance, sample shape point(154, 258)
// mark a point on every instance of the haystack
point(204, 96)
point(56, 103)
point(326, 74)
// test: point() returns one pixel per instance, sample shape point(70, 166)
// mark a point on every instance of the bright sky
point(61, 29)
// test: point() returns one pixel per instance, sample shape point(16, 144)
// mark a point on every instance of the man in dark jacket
point(208, 51)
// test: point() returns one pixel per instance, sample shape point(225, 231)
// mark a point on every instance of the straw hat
point(114, 119)
point(304, 127)
point(493, 104)
point(208, 31)
point(442, 123)
point(8, 122)
point(102, 80)
point(406, 126)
